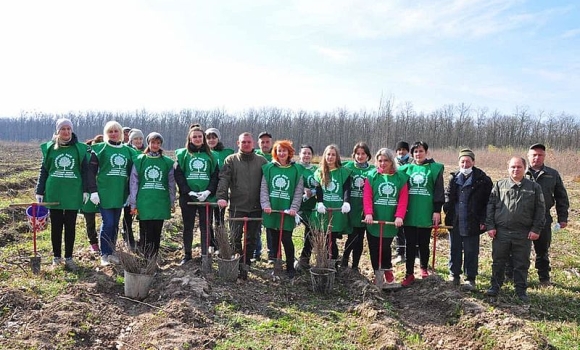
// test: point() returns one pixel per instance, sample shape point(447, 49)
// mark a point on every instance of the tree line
point(451, 126)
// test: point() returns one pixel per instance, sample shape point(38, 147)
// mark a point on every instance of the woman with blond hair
point(281, 191)
point(332, 198)
point(111, 165)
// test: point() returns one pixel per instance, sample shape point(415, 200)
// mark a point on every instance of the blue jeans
point(464, 251)
point(109, 229)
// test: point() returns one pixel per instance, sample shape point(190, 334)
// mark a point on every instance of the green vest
point(268, 156)
point(197, 168)
point(386, 191)
point(220, 156)
point(153, 201)
point(282, 182)
point(310, 183)
point(115, 166)
point(422, 179)
point(358, 176)
point(64, 184)
point(333, 198)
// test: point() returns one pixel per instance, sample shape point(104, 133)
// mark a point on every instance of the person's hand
point(268, 210)
point(345, 209)
point(491, 233)
point(202, 196)
point(86, 197)
point(222, 203)
point(291, 212)
point(95, 198)
point(533, 236)
point(563, 224)
point(39, 198)
point(192, 194)
point(320, 208)
point(368, 219)
point(436, 219)
point(134, 211)
point(398, 222)
point(297, 219)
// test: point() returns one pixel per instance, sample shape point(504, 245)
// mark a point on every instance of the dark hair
point(365, 148)
point(420, 144)
point(307, 146)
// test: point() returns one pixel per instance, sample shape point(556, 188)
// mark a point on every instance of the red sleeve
point(402, 202)
point(368, 198)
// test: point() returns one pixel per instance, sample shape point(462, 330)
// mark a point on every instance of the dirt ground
point(179, 310)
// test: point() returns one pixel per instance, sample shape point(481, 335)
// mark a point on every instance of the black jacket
point(476, 204)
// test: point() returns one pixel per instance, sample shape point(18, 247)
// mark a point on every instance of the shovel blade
point(206, 264)
point(379, 278)
point(35, 264)
point(278, 267)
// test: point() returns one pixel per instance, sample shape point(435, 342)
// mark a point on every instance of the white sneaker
point(104, 260)
point(113, 259)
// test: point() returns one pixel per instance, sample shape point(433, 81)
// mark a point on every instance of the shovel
point(34, 260)
point(380, 273)
point(206, 259)
point(245, 268)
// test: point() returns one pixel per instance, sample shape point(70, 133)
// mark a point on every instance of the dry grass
point(136, 262)
point(319, 241)
point(226, 249)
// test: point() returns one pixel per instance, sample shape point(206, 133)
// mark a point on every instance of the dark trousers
point(417, 236)
point(464, 251)
point(60, 219)
point(519, 247)
point(286, 241)
point(384, 257)
point(307, 249)
point(541, 248)
point(188, 213)
point(127, 231)
point(354, 244)
point(150, 236)
point(247, 241)
point(90, 222)
point(401, 241)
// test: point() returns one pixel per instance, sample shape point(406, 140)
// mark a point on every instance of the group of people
point(400, 196)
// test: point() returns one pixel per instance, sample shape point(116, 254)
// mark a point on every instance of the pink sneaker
point(389, 277)
point(424, 273)
point(409, 279)
point(95, 248)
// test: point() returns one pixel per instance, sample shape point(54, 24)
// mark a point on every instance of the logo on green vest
point(418, 181)
point(118, 165)
point(280, 185)
point(198, 169)
point(387, 194)
point(358, 182)
point(153, 176)
point(64, 164)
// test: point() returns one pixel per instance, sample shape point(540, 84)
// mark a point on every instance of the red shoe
point(424, 273)
point(409, 279)
point(389, 277)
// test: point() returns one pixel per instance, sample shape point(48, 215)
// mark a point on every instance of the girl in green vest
point(111, 165)
point(63, 179)
point(197, 175)
point(214, 141)
point(332, 197)
point(385, 198)
point(426, 197)
point(359, 169)
point(308, 203)
point(281, 190)
point(152, 193)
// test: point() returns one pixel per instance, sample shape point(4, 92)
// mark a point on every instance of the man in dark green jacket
point(515, 217)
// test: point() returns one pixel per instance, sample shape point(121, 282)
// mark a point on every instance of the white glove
point(193, 194)
point(95, 198)
point(86, 197)
point(202, 196)
point(345, 208)
point(320, 208)
point(39, 198)
point(126, 202)
point(297, 219)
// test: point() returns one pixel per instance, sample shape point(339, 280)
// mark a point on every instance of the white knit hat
point(62, 122)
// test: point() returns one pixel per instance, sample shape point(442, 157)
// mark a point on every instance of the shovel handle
point(245, 218)
point(38, 204)
point(211, 204)
point(392, 223)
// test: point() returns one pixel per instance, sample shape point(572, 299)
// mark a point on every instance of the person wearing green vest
point(64, 166)
point(332, 198)
point(90, 211)
point(359, 168)
point(197, 175)
point(214, 141)
point(111, 165)
point(385, 198)
point(426, 197)
point(152, 193)
point(265, 150)
point(281, 190)
point(308, 203)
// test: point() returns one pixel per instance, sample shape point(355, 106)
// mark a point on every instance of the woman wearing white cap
point(64, 166)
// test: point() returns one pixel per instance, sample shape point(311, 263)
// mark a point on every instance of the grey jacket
point(516, 207)
point(554, 191)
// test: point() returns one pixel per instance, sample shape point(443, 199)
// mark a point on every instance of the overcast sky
point(60, 56)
